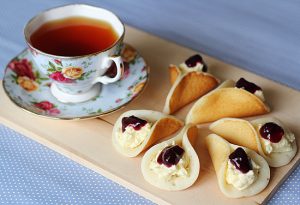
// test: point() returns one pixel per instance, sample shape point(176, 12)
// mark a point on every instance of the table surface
point(260, 36)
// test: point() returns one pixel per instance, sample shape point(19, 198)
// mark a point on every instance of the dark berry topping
point(134, 122)
point(193, 60)
point(272, 132)
point(250, 87)
point(240, 160)
point(170, 155)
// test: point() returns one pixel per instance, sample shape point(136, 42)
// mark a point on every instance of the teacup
point(77, 78)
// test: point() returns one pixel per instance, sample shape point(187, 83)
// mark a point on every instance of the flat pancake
point(225, 102)
point(236, 131)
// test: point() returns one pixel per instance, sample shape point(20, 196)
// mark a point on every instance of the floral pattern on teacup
point(72, 72)
point(68, 74)
point(24, 75)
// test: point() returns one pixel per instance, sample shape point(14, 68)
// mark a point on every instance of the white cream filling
point(241, 180)
point(284, 145)
point(260, 95)
point(132, 138)
point(184, 68)
point(181, 169)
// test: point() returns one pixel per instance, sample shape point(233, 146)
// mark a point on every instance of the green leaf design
point(15, 78)
point(81, 77)
point(59, 68)
point(51, 70)
point(37, 74)
point(52, 66)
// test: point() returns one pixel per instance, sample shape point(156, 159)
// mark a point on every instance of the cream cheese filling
point(260, 95)
point(284, 145)
point(132, 138)
point(241, 180)
point(181, 169)
point(184, 68)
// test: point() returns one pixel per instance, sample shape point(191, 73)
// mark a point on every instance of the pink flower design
point(22, 68)
point(118, 100)
point(54, 111)
point(48, 107)
point(58, 76)
point(57, 61)
point(44, 105)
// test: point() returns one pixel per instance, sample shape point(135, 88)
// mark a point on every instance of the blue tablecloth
point(261, 36)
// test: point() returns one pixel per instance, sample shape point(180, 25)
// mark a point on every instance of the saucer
point(29, 89)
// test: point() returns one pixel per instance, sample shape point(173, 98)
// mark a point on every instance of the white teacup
point(76, 78)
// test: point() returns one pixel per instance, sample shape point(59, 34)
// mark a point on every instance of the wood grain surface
point(89, 142)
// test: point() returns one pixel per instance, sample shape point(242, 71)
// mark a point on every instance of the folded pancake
point(173, 164)
point(267, 136)
point(230, 99)
point(240, 171)
point(189, 82)
point(136, 130)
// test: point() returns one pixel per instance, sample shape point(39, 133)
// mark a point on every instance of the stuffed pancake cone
point(142, 129)
point(188, 84)
point(247, 134)
point(220, 151)
point(173, 164)
point(226, 101)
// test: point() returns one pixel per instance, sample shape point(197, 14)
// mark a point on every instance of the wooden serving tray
point(89, 142)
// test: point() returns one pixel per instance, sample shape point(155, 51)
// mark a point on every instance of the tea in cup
point(74, 45)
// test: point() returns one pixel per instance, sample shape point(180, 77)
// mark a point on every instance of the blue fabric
point(261, 36)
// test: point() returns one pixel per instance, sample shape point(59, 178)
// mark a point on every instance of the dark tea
point(74, 36)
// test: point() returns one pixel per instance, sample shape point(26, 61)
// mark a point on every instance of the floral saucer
point(30, 89)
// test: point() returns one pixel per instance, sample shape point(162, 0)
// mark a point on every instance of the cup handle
point(120, 68)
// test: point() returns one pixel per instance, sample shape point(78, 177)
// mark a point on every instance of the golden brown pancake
point(226, 101)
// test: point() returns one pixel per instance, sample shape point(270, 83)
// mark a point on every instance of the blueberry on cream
point(275, 139)
point(193, 63)
point(250, 87)
point(267, 136)
point(136, 130)
point(173, 164)
point(241, 170)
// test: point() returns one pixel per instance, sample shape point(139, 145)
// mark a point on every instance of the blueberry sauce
point(134, 122)
point(170, 155)
point(193, 60)
point(250, 87)
point(240, 160)
point(272, 132)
